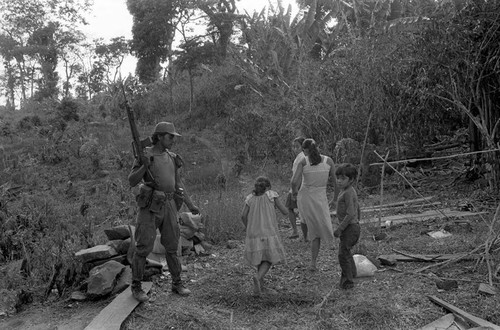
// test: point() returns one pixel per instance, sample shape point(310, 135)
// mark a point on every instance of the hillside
point(395, 298)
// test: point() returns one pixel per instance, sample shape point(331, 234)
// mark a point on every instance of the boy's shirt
point(348, 210)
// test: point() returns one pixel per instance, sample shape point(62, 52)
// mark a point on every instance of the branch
point(435, 158)
point(409, 183)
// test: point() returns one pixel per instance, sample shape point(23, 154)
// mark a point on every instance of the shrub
point(28, 123)
point(68, 110)
point(221, 214)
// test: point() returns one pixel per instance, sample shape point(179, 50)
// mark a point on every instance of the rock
point(198, 248)
point(232, 244)
point(114, 243)
point(379, 236)
point(78, 296)
point(102, 279)
point(387, 260)
point(95, 253)
point(207, 246)
point(124, 280)
point(439, 234)
point(486, 289)
point(446, 284)
point(119, 232)
point(124, 246)
point(89, 265)
point(186, 243)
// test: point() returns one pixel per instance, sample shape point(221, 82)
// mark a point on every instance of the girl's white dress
point(313, 202)
point(262, 242)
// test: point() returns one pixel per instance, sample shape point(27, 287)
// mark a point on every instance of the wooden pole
point(361, 162)
point(382, 190)
point(436, 158)
point(408, 182)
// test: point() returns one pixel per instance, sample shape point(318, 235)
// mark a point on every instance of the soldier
point(158, 171)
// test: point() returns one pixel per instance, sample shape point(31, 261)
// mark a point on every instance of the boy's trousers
point(348, 238)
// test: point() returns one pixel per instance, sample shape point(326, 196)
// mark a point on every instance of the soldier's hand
point(194, 209)
point(145, 161)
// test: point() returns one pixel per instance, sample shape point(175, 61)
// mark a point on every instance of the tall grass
point(221, 214)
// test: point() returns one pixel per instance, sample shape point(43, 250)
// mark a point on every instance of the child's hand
point(336, 233)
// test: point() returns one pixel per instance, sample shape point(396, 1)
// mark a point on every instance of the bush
point(28, 123)
point(68, 110)
point(221, 214)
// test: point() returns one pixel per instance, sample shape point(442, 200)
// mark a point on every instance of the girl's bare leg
point(315, 245)
point(258, 278)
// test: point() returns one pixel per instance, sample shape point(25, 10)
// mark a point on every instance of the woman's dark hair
point(299, 140)
point(347, 170)
point(261, 185)
point(314, 155)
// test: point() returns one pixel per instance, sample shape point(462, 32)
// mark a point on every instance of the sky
point(111, 18)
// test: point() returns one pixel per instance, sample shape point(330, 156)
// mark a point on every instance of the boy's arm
point(244, 215)
point(351, 211)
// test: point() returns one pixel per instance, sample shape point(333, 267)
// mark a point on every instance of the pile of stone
point(108, 265)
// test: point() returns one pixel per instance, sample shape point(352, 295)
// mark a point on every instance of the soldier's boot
point(180, 289)
point(138, 293)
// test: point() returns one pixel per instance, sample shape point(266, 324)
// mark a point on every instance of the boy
point(348, 213)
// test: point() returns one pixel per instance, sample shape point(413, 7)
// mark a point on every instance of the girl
point(262, 243)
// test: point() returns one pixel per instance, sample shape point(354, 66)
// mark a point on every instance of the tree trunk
point(191, 90)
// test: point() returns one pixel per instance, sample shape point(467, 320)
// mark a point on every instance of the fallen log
point(406, 206)
point(466, 316)
point(400, 203)
point(428, 257)
point(424, 216)
point(463, 256)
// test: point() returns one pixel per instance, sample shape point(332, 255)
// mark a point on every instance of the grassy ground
point(222, 287)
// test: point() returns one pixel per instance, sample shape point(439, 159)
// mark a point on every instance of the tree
point(461, 58)
point(42, 45)
point(153, 32)
point(222, 17)
point(194, 53)
point(111, 56)
point(39, 30)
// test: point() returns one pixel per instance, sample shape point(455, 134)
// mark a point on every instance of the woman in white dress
point(314, 172)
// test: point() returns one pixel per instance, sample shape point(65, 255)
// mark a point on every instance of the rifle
point(138, 145)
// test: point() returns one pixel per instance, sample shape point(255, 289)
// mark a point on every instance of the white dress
point(313, 202)
point(262, 242)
